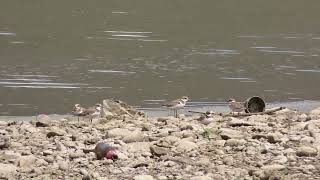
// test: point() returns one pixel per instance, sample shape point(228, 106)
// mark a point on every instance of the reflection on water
point(148, 52)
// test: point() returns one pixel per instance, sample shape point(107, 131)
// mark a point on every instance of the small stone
point(41, 162)
point(315, 111)
point(273, 167)
point(42, 120)
point(169, 163)
point(74, 155)
point(162, 177)
point(230, 134)
point(4, 143)
point(26, 161)
point(47, 152)
point(228, 160)
point(118, 132)
point(280, 159)
point(63, 166)
point(201, 178)
point(143, 177)
point(274, 137)
point(49, 159)
point(158, 151)
point(238, 122)
point(135, 136)
point(6, 169)
point(186, 146)
point(235, 142)
point(302, 117)
point(306, 151)
point(55, 132)
point(84, 172)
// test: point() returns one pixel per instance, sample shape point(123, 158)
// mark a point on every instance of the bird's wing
point(172, 103)
point(239, 105)
point(88, 111)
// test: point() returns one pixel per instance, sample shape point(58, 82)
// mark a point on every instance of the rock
point(118, 132)
point(220, 143)
point(26, 127)
point(41, 162)
point(307, 140)
point(49, 159)
point(4, 142)
point(55, 131)
point(3, 123)
point(228, 160)
point(185, 145)
point(143, 177)
point(63, 166)
point(84, 172)
point(280, 159)
point(230, 134)
point(201, 178)
point(26, 161)
point(235, 142)
point(315, 111)
point(91, 141)
point(162, 177)
point(117, 108)
point(47, 152)
point(159, 151)
point(42, 120)
point(302, 117)
point(74, 155)
point(306, 151)
point(135, 136)
point(6, 169)
point(273, 167)
point(60, 147)
point(238, 122)
point(274, 137)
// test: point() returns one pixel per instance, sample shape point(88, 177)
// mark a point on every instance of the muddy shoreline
point(283, 145)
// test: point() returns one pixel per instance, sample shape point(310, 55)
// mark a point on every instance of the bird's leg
point(78, 118)
point(177, 113)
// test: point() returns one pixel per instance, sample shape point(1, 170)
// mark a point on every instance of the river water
point(54, 54)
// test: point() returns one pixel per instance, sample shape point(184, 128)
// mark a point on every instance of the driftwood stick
point(259, 113)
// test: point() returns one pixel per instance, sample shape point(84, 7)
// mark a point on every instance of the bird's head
point(185, 98)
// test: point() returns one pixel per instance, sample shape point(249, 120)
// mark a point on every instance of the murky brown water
point(55, 54)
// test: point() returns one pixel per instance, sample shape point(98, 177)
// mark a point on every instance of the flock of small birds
point(90, 113)
point(175, 105)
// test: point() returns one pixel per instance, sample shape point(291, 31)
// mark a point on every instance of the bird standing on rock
point(77, 110)
point(177, 104)
point(235, 106)
point(206, 118)
point(93, 112)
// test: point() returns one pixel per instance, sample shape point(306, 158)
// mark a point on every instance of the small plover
point(77, 110)
point(92, 112)
point(177, 104)
point(206, 118)
point(235, 106)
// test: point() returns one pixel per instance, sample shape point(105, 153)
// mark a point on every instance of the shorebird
point(77, 110)
point(206, 118)
point(92, 112)
point(177, 104)
point(235, 106)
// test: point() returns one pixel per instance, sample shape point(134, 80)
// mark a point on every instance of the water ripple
point(111, 71)
point(7, 34)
